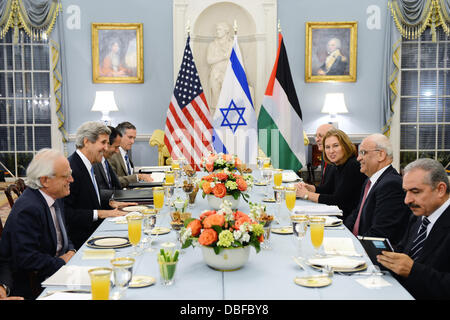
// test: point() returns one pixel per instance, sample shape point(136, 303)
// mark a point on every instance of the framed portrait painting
point(117, 53)
point(330, 51)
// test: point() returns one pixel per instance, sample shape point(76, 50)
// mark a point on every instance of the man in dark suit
point(83, 206)
point(105, 176)
point(35, 242)
point(381, 211)
point(422, 260)
point(121, 162)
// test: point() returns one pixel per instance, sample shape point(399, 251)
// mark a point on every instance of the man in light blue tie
point(121, 162)
point(35, 239)
point(422, 260)
point(83, 206)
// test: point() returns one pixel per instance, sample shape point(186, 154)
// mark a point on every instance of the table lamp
point(334, 104)
point(104, 102)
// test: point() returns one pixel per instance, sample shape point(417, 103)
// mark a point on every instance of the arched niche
point(256, 31)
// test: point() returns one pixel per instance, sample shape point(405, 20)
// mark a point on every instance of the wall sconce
point(104, 102)
point(334, 104)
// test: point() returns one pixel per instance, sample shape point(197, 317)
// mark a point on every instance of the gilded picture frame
point(117, 53)
point(330, 51)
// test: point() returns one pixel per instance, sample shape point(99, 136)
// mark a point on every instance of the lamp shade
point(104, 102)
point(334, 103)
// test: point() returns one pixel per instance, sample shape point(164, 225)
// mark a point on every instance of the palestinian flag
point(280, 127)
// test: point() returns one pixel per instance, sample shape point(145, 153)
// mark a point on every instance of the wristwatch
point(305, 197)
point(6, 289)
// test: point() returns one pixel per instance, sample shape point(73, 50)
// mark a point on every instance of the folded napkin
point(69, 275)
point(318, 210)
point(337, 262)
point(121, 219)
point(90, 254)
point(332, 220)
point(158, 176)
point(339, 246)
point(371, 283)
point(289, 176)
point(61, 295)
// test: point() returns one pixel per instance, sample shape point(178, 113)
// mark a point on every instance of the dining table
point(269, 274)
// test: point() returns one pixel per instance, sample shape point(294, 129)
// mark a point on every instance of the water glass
point(100, 283)
point(169, 189)
point(267, 176)
point(122, 273)
point(299, 228)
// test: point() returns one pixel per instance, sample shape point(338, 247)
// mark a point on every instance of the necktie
point(366, 191)
point(62, 229)
point(128, 164)
point(108, 176)
point(94, 182)
point(420, 239)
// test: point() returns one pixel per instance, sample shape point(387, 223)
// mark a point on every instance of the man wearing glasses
point(381, 211)
point(35, 240)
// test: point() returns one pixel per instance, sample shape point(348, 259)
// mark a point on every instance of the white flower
point(237, 234)
point(185, 234)
point(245, 237)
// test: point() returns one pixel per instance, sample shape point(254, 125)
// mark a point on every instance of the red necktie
point(356, 226)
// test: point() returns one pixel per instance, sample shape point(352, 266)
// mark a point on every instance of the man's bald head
point(321, 132)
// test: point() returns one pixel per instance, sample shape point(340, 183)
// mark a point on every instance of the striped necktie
point(94, 182)
point(358, 218)
point(420, 239)
point(62, 229)
point(108, 176)
point(128, 164)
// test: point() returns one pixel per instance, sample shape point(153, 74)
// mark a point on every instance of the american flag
point(188, 131)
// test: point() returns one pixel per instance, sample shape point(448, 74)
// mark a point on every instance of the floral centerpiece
point(221, 184)
point(222, 229)
point(221, 161)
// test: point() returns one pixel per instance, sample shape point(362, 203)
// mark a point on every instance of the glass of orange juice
point(134, 230)
point(316, 225)
point(100, 283)
point(290, 197)
point(170, 177)
point(266, 163)
point(277, 177)
point(158, 197)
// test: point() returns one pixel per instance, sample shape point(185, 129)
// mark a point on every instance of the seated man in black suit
point(422, 260)
point(84, 210)
point(105, 176)
point(381, 211)
point(35, 240)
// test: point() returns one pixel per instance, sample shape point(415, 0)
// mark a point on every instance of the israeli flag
point(234, 121)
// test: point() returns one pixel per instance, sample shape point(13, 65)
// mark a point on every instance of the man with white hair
point(83, 206)
point(35, 240)
point(381, 211)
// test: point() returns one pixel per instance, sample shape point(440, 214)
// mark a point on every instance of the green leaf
point(186, 222)
point(187, 244)
point(217, 249)
point(217, 229)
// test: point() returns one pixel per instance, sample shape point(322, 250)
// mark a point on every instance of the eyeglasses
point(364, 152)
point(65, 176)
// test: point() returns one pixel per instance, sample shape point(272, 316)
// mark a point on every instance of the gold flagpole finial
point(235, 27)
point(188, 28)
point(279, 26)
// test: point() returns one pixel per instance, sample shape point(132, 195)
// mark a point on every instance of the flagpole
point(188, 28)
point(235, 27)
point(279, 26)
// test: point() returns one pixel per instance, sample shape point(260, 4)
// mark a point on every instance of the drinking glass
point(170, 177)
point(260, 163)
point(134, 230)
point(149, 223)
point(158, 198)
point(299, 227)
point(266, 163)
point(169, 189)
point(290, 196)
point(267, 176)
point(375, 273)
point(316, 225)
point(122, 273)
point(100, 283)
point(278, 177)
point(278, 195)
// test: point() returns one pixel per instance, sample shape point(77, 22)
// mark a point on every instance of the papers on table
point(158, 176)
point(322, 210)
point(339, 246)
point(289, 176)
point(372, 283)
point(91, 254)
point(62, 295)
point(71, 276)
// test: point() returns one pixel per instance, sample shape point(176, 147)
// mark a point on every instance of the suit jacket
point(29, 241)
point(327, 178)
point(384, 213)
point(105, 189)
point(120, 168)
point(5, 272)
point(81, 203)
point(430, 274)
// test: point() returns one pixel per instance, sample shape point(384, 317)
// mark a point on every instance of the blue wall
point(145, 104)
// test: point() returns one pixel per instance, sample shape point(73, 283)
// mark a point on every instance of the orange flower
point(206, 186)
point(242, 185)
point(209, 178)
point(239, 214)
point(207, 237)
point(261, 238)
point(209, 167)
point(219, 190)
point(237, 162)
point(206, 214)
point(195, 226)
point(243, 219)
point(222, 176)
point(227, 157)
point(214, 220)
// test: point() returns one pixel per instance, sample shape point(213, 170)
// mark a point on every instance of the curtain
point(38, 18)
point(409, 20)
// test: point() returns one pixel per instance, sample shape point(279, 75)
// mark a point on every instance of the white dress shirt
point(123, 153)
point(376, 176)
point(436, 214)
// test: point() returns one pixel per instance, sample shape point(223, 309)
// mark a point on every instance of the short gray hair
point(383, 143)
point(90, 130)
point(123, 126)
point(42, 165)
point(436, 172)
